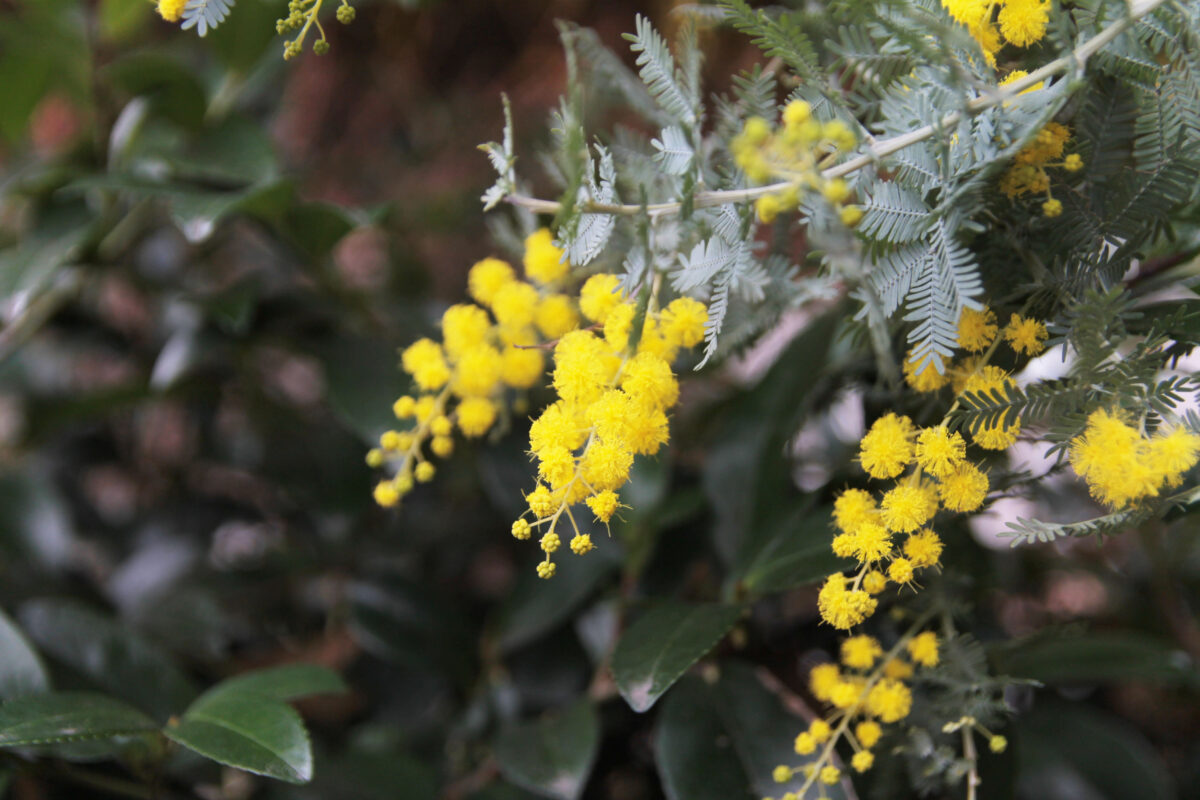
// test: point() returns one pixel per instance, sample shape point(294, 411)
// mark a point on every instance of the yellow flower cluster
point(462, 379)
point(302, 15)
point(796, 151)
point(1122, 466)
point(171, 10)
point(865, 692)
point(994, 23)
point(1028, 173)
point(940, 477)
point(977, 332)
point(614, 386)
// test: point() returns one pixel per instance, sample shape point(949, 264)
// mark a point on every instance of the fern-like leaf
point(204, 15)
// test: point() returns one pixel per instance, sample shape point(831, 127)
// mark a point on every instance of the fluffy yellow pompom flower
point(1025, 335)
point(874, 582)
point(976, 329)
point(822, 679)
point(1122, 467)
point(923, 649)
point(862, 761)
point(604, 504)
point(683, 321)
point(477, 371)
point(887, 448)
point(556, 316)
point(906, 508)
point(171, 11)
point(870, 543)
point(600, 295)
point(841, 607)
point(464, 326)
point(924, 380)
point(805, 744)
point(852, 508)
point(868, 733)
point(889, 700)
point(964, 489)
point(830, 775)
point(1173, 453)
point(649, 380)
point(475, 416)
point(923, 549)
point(580, 372)
point(618, 325)
point(521, 367)
point(1023, 22)
point(939, 452)
point(486, 277)
point(900, 570)
point(544, 262)
point(423, 360)
point(514, 305)
point(860, 652)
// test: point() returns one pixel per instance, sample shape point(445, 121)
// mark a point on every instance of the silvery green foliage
point(503, 161)
point(936, 236)
point(205, 14)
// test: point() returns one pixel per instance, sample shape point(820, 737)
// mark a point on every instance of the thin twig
point(1073, 60)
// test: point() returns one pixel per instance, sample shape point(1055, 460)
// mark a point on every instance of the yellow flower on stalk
point(963, 489)
point(860, 652)
point(889, 700)
point(939, 452)
point(841, 607)
point(923, 649)
point(544, 262)
point(1121, 466)
point(171, 10)
point(1024, 335)
point(887, 447)
point(976, 329)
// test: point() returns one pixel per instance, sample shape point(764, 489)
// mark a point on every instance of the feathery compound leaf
point(659, 72)
point(707, 258)
point(782, 38)
point(503, 161)
point(586, 239)
point(675, 153)
point(894, 214)
point(949, 281)
point(205, 14)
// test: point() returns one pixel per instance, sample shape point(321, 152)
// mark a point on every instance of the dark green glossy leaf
point(247, 730)
point(713, 737)
point(21, 670)
point(691, 733)
point(1096, 658)
point(109, 654)
point(375, 776)
point(552, 756)
point(289, 682)
point(173, 90)
point(60, 717)
point(406, 622)
point(364, 379)
point(538, 606)
point(660, 646)
point(795, 554)
point(1109, 755)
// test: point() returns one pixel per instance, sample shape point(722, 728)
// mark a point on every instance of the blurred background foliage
point(208, 261)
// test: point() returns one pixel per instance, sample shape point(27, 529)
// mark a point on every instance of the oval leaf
point(110, 655)
point(660, 646)
point(554, 755)
point(21, 671)
point(247, 730)
point(60, 717)
point(288, 682)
